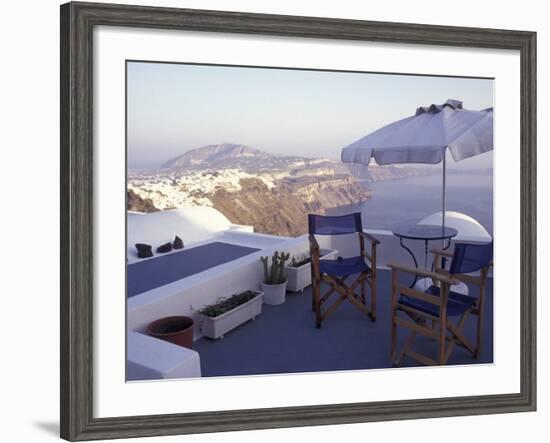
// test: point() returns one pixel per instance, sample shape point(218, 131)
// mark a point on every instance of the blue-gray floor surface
point(284, 339)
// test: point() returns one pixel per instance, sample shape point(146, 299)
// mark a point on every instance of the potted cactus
point(274, 284)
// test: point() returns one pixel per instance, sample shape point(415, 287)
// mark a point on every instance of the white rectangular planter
point(300, 277)
point(217, 327)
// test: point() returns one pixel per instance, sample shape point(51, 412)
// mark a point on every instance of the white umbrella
point(425, 137)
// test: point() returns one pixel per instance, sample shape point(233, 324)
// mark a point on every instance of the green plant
point(227, 304)
point(275, 274)
point(299, 260)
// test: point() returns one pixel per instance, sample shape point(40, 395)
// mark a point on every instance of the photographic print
point(295, 220)
point(274, 221)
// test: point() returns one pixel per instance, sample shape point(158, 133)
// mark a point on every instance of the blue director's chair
point(336, 272)
point(431, 312)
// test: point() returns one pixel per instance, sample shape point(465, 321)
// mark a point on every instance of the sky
point(173, 108)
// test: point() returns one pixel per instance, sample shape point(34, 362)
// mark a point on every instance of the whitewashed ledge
point(152, 359)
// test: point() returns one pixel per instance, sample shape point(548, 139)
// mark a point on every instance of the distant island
point(273, 193)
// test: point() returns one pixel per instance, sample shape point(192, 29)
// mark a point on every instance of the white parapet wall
point(193, 225)
point(389, 249)
point(153, 359)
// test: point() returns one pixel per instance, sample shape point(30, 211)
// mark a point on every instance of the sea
point(408, 200)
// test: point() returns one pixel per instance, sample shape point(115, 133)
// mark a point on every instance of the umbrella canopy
point(424, 137)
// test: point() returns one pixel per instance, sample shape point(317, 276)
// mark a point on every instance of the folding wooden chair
point(336, 272)
point(430, 313)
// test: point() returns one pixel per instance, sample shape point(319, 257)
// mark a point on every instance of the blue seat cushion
point(343, 266)
point(457, 304)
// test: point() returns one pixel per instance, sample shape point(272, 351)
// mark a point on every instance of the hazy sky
point(173, 108)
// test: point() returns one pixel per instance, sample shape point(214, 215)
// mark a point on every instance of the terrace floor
point(284, 339)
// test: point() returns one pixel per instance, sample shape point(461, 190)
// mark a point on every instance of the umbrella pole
point(444, 190)
point(443, 196)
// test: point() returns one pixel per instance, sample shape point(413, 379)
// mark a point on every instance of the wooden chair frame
point(439, 328)
point(338, 284)
point(480, 280)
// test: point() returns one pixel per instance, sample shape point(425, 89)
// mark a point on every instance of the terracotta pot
point(176, 329)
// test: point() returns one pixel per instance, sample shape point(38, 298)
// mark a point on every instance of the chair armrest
point(370, 238)
point(423, 273)
point(441, 252)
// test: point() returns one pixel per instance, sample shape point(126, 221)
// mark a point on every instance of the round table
point(425, 233)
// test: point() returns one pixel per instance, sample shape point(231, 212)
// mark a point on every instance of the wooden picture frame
point(77, 23)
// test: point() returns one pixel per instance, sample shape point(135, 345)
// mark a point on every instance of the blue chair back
point(470, 257)
point(335, 224)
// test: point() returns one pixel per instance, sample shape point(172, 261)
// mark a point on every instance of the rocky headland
point(251, 187)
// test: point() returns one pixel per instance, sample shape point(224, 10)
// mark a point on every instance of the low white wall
point(389, 249)
point(193, 225)
point(251, 238)
point(153, 359)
